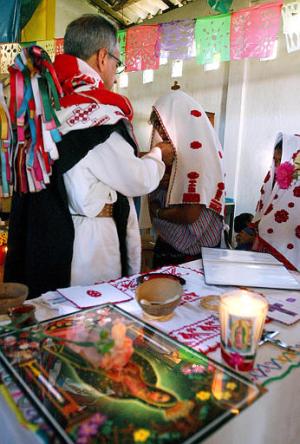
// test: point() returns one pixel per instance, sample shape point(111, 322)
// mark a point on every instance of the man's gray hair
point(87, 34)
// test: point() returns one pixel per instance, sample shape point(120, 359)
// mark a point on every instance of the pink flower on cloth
point(284, 175)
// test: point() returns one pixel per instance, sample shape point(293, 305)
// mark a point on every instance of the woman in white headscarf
point(278, 209)
point(187, 208)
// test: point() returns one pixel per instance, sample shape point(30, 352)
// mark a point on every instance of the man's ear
point(101, 58)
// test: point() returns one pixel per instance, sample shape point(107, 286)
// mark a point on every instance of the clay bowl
point(158, 295)
point(11, 295)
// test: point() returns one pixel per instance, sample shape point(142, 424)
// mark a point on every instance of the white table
point(272, 419)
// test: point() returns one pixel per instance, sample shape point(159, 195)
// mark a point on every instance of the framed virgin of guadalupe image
point(101, 375)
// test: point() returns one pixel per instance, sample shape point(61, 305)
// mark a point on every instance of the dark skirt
point(165, 254)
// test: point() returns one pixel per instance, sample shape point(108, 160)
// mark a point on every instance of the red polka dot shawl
point(197, 175)
point(278, 211)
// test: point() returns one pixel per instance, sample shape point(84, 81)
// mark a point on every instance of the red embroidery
point(291, 204)
point(290, 246)
point(220, 154)
point(196, 113)
point(195, 145)
point(191, 196)
point(281, 216)
point(189, 297)
point(259, 205)
point(81, 115)
point(297, 231)
point(270, 230)
point(215, 203)
point(198, 333)
point(276, 196)
point(267, 177)
point(269, 209)
point(94, 293)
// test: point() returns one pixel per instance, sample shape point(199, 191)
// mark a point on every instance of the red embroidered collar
point(70, 77)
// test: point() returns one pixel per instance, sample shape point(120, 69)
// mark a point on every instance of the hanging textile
point(41, 26)
point(27, 9)
point(254, 31)
point(10, 20)
point(291, 26)
point(5, 147)
point(212, 35)
point(34, 97)
point(122, 44)
point(177, 38)
point(222, 6)
point(142, 48)
point(59, 46)
point(8, 52)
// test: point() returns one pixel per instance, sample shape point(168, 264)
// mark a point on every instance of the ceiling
point(131, 12)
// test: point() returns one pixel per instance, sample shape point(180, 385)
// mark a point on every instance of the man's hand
point(167, 151)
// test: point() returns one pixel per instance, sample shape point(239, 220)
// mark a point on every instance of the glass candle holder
point(242, 318)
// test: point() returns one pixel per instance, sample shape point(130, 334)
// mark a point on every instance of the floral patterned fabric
point(277, 212)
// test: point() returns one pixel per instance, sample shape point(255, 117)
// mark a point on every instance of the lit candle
point(242, 317)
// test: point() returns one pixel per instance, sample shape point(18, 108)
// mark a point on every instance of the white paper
point(92, 295)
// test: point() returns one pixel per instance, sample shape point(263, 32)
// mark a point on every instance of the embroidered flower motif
point(141, 435)
point(270, 230)
point(269, 209)
point(203, 396)
point(296, 191)
point(281, 216)
point(297, 231)
point(290, 246)
point(284, 175)
point(291, 204)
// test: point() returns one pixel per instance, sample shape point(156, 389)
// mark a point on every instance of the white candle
point(242, 317)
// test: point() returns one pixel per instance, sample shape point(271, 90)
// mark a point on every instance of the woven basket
point(11, 295)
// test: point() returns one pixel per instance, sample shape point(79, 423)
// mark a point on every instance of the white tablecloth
point(273, 419)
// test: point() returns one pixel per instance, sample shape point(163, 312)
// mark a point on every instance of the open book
point(245, 268)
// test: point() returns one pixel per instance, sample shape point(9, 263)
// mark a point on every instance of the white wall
point(68, 10)
point(252, 101)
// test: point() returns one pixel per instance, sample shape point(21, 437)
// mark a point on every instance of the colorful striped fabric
point(189, 238)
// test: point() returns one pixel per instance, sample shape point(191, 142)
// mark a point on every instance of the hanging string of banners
point(247, 33)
